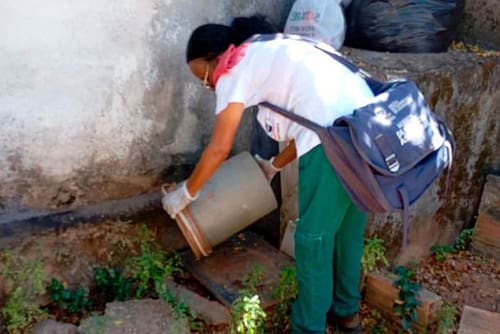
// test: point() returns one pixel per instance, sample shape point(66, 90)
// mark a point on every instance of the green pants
point(328, 246)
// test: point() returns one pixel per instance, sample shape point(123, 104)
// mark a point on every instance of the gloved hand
point(267, 167)
point(175, 201)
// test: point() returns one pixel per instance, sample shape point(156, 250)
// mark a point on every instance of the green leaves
point(25, 280)
point(153, 265)
point(373, 255)
point(248, 316)
point(72, 300)
point(113, 283)
point(406, 304)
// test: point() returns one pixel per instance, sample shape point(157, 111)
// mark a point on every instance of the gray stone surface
point(144, 316)
point(53, 327)
point(211, 312)
point(481, 23)
point(464, 89)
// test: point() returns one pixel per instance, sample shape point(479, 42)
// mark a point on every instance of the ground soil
point(462, 278)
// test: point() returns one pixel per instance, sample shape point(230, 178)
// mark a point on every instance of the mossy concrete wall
point(464, 89)
point(481, 23)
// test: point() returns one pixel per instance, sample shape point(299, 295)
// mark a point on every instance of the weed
point(248, 316)
point(113, 283)
point(72, 300)
point(405, 306)
point(285, 292)
point(374, 322)
point(151, 266)
point(440, 251)
point(462, 242)
point(373, 255)
point(464, 239)
point(25, 281)
point(446, 316)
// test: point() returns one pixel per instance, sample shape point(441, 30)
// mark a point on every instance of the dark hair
point(210, 40)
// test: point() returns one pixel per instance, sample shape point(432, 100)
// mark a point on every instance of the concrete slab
point(477, 321)
point(222, 272)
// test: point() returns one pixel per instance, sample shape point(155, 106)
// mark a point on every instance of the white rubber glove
point(175, 201)
point(267, 167)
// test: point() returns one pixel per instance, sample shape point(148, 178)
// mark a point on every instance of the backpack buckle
point(392, 163)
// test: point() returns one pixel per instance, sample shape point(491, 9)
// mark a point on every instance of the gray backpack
point(387, 153)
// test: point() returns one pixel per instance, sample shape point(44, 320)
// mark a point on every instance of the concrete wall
point(481, 22)
point(96, 101)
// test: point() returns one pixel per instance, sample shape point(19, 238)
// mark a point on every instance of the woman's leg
point(347, 263)
point(322, 206)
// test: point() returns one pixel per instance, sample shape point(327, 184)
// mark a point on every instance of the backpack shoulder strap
point(319, 45)
point(294, 117)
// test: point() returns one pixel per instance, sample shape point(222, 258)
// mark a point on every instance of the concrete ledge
point(380, 293)
point(14, 228)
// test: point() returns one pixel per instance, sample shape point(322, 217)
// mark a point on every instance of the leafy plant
point(72, 300)
point(380, 327)
point(464, 239)
point(25, 281)
point(373, 255)
point(149, 271)
point(440, 251)
point(247, 314)
point(285, 292)
point(446, 316)
point(152, 265)
point(113, 283)
point(405, 306)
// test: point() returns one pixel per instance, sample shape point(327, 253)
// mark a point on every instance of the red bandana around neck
point(229, 59)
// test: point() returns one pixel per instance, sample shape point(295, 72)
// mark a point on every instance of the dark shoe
point(351, 324)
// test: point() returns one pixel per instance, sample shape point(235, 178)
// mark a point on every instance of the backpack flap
point(396, 131)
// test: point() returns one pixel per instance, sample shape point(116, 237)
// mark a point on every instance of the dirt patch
point(461, 279)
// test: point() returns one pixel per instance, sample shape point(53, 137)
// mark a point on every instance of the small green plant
point(151, 266)
point(440, 251)
point(150, 269)
point(379, 323)
point(254, 278)
point(71, 300)
point(25, 281)
point(464, 239)
point(248, 316)
point(446, 316)
point(285, 292)
point(405, 306)
point(373, 255)
point(113, 283)
point(246, 311)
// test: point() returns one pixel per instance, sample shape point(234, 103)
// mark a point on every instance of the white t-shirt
point(298, 77)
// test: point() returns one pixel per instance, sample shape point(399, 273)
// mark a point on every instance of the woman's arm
point(217, 151)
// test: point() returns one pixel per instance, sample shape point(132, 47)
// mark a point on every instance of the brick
point(211, 312)
point(486, 239)
point(381, 294)
point(477, 321)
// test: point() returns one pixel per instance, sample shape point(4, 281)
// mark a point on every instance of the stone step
point(211, 312)
point(381, 294)
point(222, 272)
point(478, 321)
point(486, 239)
